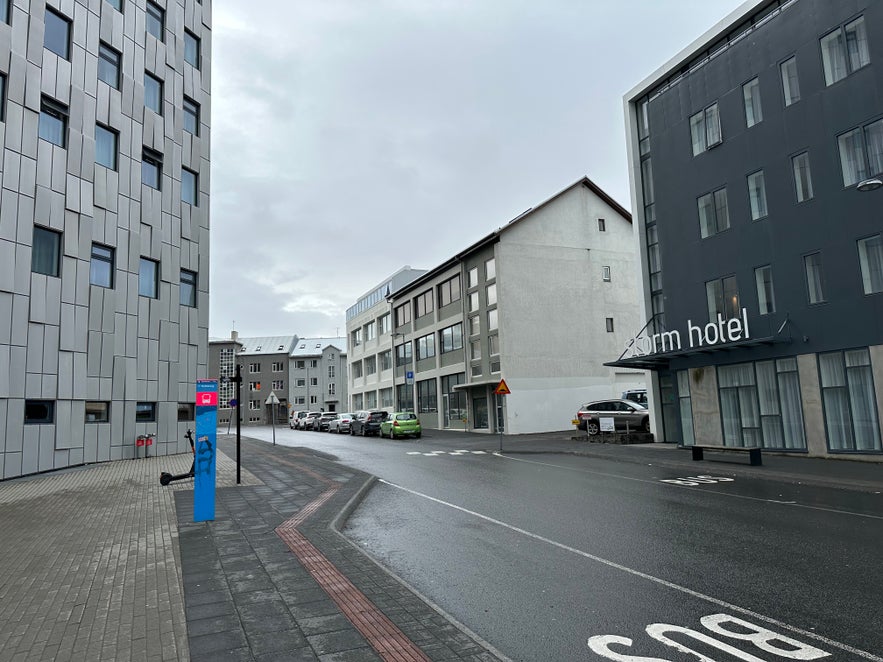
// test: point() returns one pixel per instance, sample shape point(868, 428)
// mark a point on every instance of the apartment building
point(540, 302)
point(318, 374)
point(104, 227)
point(756, 159)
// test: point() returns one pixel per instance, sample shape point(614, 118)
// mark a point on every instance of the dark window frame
point(145, 412)
point(116, 146)
point(153, 159)
point(107, 258)
point(191, 279)
point(187, 172)
point(155, 15)
point(52, 109)
point(103, 409)
point(57, 237)
point(191, 109)
point(112, 57)
point(33, 406)
point(197, 43)
point(142, 291)
point(47, 33)
point(158, 109)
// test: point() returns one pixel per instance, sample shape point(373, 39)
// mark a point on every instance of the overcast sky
point(352, 137)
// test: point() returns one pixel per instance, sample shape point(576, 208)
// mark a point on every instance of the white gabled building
point(541, 302)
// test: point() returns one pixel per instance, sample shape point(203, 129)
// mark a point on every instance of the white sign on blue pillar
point(205, 449)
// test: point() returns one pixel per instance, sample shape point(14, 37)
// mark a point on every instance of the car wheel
point(646, 426)
point(418, 435)
point(592, 427)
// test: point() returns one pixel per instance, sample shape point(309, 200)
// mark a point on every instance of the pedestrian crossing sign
point(502, 388)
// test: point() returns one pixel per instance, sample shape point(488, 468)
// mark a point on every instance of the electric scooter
point(165, 477)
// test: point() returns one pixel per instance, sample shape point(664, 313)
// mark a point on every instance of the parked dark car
point(320, 423)
point(367, 422)
point(626, 415)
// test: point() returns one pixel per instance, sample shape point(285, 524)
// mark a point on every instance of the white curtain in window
point(791, 405)
point(686, 408)
point(697, 133)
point(857, 44)
point(730, 417)
point(833, 57)
point(874, 141)
point(861, 397)
point(813, 266)
point(852, 157)
point(712, 125)
point(870, 253)
point(836, 401)
point(802, 177)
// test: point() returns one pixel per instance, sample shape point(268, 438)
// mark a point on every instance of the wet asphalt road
point(558, 557)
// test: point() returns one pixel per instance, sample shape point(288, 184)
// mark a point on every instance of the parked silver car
point(341, 423)
point(626, 415)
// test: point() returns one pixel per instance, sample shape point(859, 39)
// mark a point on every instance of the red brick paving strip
point(380, 632)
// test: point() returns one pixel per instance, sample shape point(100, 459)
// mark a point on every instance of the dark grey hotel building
point(756, 162)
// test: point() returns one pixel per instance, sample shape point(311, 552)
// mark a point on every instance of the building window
point(474, 325)
point(300, 400)
point(189, 187)
point(472, 279)
point(314, 381)
point(39, 412)
point(455, 411)
point(356, 369)
point(653, 259)
point(314, 363)
point(299, 365)
point(605, 274)
point(4, 11)
point(385, 360)
point(101, 266)
point(314, 399)
point(492, 319)
point(301, 382)
point(845, 50)
point(386, 397)
point(802, 177)
point(493, 343)
point(191, 49)
point(370, 365)
point(473, 304)
point(383, 324)
point(148, 278)
point(188, 288)
point(426, 347)
point(790, 83)
point(403, 354)
point(475, 350)
point(254, 386)
point(705, 129)
point(609, 321)
point(97, 412)
point(476, 370)
point(812, 265)
point(331, 388)
point(490, 269)
point(46, 252)
point(116, 4)
point(278, 366)
point(714, 213)
point(648, 190)
point(766, 300)
point(151, 169)
point(254, 368)
point(357, 337)
point(491, 294)
point(848, 400)
point(331, 372)
point(370, 330)
point(602, 225)
point(451, 338)
point(278, 384)
point(153, 93)
point(423, 304)
point(427, 396)
point(254, 405)
point(186, 412)
point(109, 65)
point(449, 291)
point(757, 195)
point(402, 314)
point(191, 116)
point(57, 34)
point(156, 19)
point(870, 255)
point(53, 122)
point(106, 147)
point(723, 298)
point(145, 412)
point(861, 152)
point(751, 97)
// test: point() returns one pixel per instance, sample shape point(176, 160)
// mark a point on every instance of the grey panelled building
point(104, 227)
point(756, 159)
point(318, 374)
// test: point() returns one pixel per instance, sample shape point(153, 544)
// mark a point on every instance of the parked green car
point(401, 424)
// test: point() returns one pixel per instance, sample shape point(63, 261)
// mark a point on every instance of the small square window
point(145, 412)
point(97, 412)
point(148, 278)
point(191, 116)
point(609, 322)
point(106, 147)
point(101, 266)
point(602, 225)
point(188, 288)
point(46, 252)
point(605, 274)
point(186, 412)
point(109, 65)
point(53, 122)
point(39, 412)
point(191, 49)
point(153, 93)
point(156, 20)
point(189, 187)
point(151, 169)
point(57, 34)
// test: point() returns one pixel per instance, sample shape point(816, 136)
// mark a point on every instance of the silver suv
point(626, 415)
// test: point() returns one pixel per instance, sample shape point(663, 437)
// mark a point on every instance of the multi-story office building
point(541, 303)
point(104, 227)
point(756, 157)
point(369, 332)
point(318, 374)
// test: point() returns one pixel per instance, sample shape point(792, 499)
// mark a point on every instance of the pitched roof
point(266, 345)
point(315, 346)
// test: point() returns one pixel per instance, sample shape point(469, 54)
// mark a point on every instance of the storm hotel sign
point(717, 332)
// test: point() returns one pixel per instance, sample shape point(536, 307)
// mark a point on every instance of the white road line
point(644, 575)
point(704, 490)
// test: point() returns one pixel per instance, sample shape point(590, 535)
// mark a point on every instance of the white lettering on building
point(719, 331)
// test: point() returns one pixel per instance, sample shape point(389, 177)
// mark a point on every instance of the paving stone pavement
point(250, 595)
point(89, 568)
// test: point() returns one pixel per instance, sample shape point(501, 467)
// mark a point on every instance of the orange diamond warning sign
point(502, 389)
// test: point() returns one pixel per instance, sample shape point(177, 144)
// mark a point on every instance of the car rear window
point(376, 417)
point(406, 417)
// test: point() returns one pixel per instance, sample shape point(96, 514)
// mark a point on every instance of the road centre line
point(791, 504)
point(643, 575)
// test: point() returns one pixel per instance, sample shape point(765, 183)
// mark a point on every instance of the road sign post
point(501, 390)
point(272, 400)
